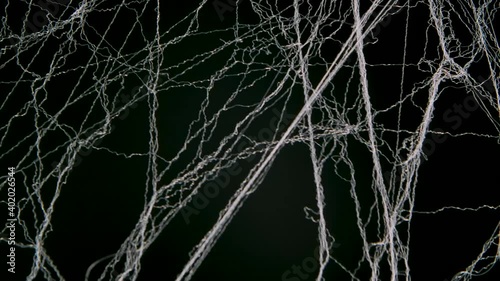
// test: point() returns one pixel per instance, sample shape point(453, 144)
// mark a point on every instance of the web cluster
point(348, 80)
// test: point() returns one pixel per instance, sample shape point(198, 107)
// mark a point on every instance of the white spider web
point(71, 72)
